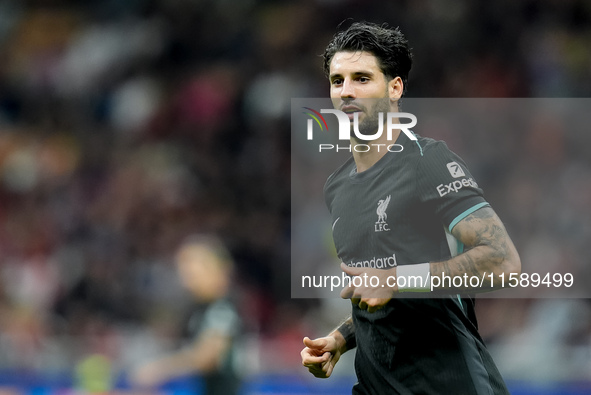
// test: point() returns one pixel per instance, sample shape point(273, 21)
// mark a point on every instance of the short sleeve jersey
point(399, 212)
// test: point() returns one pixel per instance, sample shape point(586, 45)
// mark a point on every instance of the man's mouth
point(351, 110)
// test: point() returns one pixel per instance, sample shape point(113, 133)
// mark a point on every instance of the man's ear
point(395, 88)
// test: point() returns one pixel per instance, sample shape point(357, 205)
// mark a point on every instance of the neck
point(377, 149)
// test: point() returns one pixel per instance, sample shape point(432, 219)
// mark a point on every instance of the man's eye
point(363, 79)
point(337, 81)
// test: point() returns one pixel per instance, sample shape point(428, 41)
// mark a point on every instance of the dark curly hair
point(387, 44)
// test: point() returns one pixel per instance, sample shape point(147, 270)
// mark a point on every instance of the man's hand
point(321, 355)
point(373, 292)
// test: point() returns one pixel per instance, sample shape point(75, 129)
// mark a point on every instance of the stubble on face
point(370, 123)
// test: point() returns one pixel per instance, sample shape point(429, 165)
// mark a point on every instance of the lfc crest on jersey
point(381, 224)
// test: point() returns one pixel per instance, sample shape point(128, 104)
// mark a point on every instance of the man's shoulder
point(434, 152)
point(221, 316)
point(430, 146)
point(342, 171)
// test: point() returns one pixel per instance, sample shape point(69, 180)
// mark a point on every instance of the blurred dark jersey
point(222, 318)
point(399, 212)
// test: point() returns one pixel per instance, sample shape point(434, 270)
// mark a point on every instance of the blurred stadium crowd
point(127, 125)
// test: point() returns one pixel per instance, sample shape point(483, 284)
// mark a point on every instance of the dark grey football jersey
point(399, 212)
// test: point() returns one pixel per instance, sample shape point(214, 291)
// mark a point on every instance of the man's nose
point(347, 91)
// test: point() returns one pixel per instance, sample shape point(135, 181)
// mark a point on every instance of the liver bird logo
point(381, 211)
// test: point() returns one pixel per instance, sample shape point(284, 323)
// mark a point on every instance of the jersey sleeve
point(222, 318)
point(446, 185)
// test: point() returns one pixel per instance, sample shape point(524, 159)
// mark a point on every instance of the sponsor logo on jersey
point(377, 263)
point(444, 189)
point(381, 224)
point(455, 170)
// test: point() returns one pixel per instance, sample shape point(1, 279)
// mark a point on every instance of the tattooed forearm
point(347, 329)
point(489, 250)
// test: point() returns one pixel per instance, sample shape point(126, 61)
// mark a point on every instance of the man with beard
point(389, 207)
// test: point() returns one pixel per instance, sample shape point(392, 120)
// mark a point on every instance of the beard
point(370, 123)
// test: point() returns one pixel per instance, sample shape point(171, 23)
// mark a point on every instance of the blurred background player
point(205, 269)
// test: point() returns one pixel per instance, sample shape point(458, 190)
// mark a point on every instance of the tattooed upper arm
point(484, 228)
